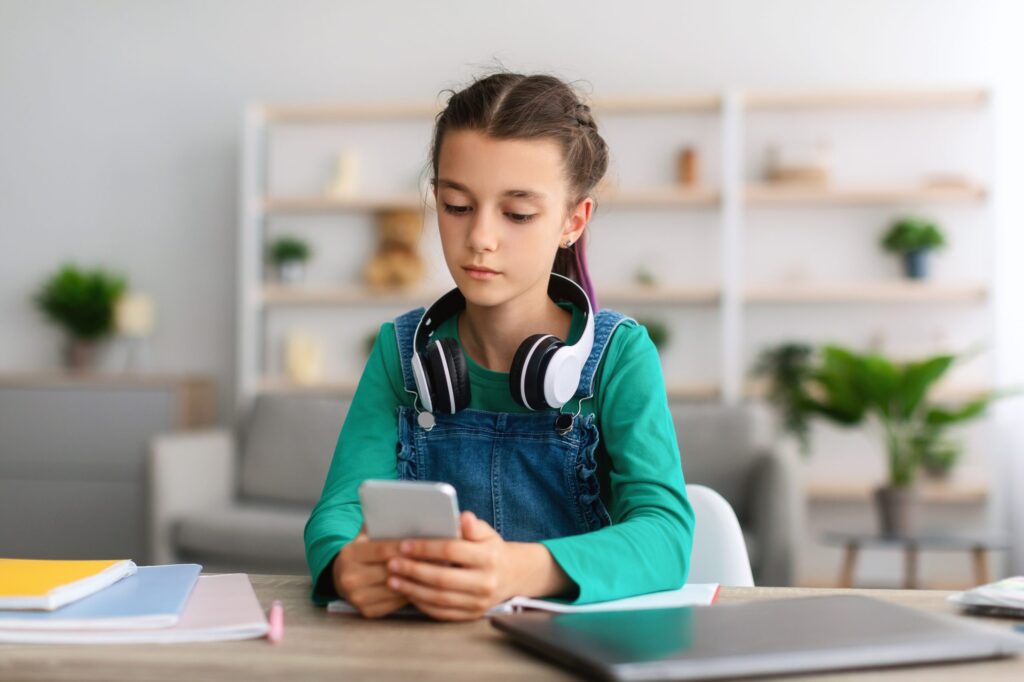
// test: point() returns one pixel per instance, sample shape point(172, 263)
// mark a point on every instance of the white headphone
point(545, 371)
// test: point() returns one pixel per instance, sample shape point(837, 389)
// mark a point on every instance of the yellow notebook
point(47, 585)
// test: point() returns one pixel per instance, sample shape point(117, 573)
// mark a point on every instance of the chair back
point(719, 552)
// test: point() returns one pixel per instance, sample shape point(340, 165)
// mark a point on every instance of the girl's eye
point(520, 217)
point(456, 210)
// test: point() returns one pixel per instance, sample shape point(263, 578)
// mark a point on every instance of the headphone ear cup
point(526, 379)
point(446, 366)
point(458, 371)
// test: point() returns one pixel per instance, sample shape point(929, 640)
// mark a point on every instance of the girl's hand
point(462, 579)
point(360, 575)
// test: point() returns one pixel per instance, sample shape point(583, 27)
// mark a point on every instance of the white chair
point(719, 553)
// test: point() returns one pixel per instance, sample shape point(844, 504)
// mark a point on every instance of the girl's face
point(501, 209)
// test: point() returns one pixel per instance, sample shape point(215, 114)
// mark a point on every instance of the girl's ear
point(577, 220)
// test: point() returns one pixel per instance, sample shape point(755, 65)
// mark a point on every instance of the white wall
point(119, 119)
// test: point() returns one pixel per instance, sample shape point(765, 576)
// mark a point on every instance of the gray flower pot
point(291, 271)
point(897, 507)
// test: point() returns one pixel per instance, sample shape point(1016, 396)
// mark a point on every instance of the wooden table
point(977, 546)
point(320, 646)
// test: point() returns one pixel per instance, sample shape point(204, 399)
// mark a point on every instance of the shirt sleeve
point(647, 547)
point(365, 449)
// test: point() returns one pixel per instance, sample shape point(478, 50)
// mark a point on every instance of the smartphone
point(409, 509)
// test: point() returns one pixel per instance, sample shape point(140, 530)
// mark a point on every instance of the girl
point(590, 508)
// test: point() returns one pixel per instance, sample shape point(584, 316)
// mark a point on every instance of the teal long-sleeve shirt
point(647, 547)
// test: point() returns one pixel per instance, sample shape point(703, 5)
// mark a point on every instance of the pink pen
point(276, 632)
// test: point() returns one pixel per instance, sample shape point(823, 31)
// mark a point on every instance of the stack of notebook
point(1002, 598)
point(86, 602)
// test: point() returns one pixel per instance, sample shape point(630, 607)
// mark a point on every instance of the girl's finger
point(462, 552)
point(365, 575)
point(441, 613)
point(372, 595)
point(440, 598)
point(441, 577)
point(374, 551)
point(383, 608)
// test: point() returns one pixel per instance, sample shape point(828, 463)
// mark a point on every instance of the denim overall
point(513, 470)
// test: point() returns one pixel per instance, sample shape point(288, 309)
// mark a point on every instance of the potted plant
point(853, 389)
point(912, 238)
point(82, 302)
point(658, 331)
point(289, 256)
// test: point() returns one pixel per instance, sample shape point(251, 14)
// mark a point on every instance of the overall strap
point(606, 321)
point(405, 331)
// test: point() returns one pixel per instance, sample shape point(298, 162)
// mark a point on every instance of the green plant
point(645, 277)
point(658, 331)
point(81, 301)
point(850, 389)
point(912, 234)
point(286, 249)
point(787, 368)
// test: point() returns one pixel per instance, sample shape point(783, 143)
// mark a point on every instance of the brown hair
point(513, 106)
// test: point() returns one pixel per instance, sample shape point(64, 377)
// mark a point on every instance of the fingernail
point(393, 564)
point(405, 547)
point(394, 583)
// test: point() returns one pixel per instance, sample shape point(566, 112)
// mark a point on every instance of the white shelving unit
point(729, 300)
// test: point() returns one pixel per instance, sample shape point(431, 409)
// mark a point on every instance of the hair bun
point(582, 115)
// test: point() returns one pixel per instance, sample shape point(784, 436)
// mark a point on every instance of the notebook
point(151, 598)
point(220, 608)
point(696, 594)
point(48, 585)
point(1001, 598)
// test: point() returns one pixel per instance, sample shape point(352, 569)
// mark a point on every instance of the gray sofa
point(239, 501)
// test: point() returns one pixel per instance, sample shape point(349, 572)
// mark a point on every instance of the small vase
point(291, 271)
point(896, 506)
point(915, 264)
point(79, 355)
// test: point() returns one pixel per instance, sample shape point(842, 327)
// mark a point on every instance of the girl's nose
point(483, 235)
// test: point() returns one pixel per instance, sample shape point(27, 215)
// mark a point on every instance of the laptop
point(773, 637)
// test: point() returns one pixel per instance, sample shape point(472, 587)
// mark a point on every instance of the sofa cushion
point(286, 447)
point(718, 444)
point(248, 534)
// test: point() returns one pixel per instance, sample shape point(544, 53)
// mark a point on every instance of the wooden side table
point(912, 545)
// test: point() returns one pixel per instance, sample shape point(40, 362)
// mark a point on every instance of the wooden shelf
point(699, 102)
point(867, 99)
point(953, 492)
point(693, 392)
point(346, 387)
point(99, 379)
point(795, 194)
point(661, 295)
point(280, 385)
point(280, 295)
point(867, 292)
point(336, 113)
point(328, 204)
point(661, 197)
point(945, 392)
point(658, 197)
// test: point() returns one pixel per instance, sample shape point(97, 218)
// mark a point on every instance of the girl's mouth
point(480, 273)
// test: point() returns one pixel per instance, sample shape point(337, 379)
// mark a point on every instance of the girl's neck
point(492, 334)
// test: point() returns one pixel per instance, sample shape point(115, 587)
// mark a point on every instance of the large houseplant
point(896, 399)
point(82, 303)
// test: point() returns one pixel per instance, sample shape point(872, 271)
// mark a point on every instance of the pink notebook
point(221, 607)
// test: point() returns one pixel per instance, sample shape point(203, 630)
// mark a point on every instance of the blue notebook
point(152, 598)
